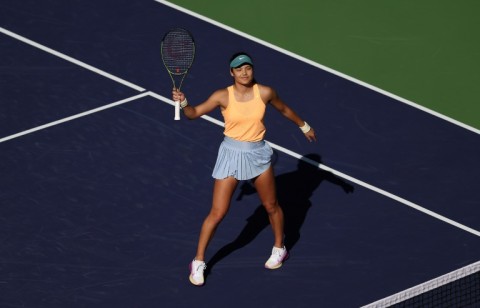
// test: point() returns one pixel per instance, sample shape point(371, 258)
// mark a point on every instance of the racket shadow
point(294, 190)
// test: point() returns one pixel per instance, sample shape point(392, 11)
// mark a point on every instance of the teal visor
point(240, 60)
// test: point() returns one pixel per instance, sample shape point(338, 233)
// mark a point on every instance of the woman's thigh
point(265, 186)
point(222, 194)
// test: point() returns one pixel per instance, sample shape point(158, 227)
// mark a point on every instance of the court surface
point(102, 194)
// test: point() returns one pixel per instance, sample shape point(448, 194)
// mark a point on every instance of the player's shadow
point(294, 190)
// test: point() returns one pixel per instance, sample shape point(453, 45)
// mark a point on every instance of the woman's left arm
point(272, 97)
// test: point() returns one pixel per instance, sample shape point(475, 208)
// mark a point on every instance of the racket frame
point(176, 72)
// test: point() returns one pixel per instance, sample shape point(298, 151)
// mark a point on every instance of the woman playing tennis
point(243, 154)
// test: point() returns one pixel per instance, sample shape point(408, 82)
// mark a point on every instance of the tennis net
point(460, 288)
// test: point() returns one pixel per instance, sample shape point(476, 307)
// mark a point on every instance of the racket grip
point(177, 110)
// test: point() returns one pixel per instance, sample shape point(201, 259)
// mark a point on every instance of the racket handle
point(177, 110)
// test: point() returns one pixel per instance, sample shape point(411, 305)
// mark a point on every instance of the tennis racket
point(178, 52)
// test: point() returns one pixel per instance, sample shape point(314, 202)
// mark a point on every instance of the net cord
point(426, 286)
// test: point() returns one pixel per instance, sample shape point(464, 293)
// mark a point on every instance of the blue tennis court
point(102, 193)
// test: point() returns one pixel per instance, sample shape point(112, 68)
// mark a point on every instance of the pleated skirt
point(242, 160)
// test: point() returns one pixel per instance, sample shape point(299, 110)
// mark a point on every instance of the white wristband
point(305, 128)
point(184, 103)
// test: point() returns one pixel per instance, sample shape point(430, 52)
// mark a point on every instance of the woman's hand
point(177, 96)
point(310, 135)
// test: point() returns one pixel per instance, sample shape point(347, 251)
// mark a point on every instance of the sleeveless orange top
point(244, 120)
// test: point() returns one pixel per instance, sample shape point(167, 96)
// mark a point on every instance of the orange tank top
point(244, 120)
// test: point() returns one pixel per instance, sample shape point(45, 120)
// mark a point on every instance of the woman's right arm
point(218, 98)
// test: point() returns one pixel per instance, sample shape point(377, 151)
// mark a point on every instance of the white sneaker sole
point(195, 283)
point(278, 265)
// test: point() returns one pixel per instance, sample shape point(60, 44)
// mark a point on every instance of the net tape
point(470, 271)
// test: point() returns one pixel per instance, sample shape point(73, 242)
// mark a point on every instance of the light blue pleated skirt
point(242, 160)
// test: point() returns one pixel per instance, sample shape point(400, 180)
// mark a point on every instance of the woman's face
point(243, 74)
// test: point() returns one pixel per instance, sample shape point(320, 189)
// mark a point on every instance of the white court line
point(73, 117)
point(320, 66)
point(70, 59)
point(168, 101)
point(347, 177)
point(378, 190)
point(220, 123)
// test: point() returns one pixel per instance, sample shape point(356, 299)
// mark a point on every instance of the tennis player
point(243, 154)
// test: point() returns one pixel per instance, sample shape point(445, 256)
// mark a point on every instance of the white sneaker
point(276, 259)
point(196, 272)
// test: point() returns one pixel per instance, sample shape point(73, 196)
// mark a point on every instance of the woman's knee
point(272, 207)
point(216, 217)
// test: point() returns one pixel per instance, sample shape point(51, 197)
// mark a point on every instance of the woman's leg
point(222, 194)
point(265, 186)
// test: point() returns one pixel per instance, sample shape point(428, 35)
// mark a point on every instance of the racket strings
point(178, 50)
